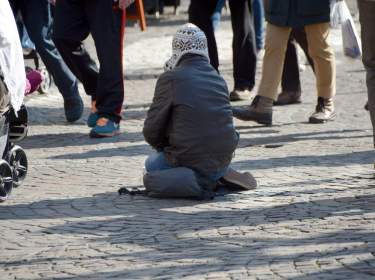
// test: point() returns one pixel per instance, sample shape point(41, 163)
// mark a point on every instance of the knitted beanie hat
point(188, 39)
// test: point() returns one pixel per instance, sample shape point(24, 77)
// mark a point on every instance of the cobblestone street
point(312, 217)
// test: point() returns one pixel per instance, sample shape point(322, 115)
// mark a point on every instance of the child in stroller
point(13, 115)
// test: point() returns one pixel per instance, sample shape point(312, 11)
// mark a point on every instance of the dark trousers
point(367, 20)
point(244, 49)
point(291, 78)
point(200, 14)
point(74, 21)
point(36, 15)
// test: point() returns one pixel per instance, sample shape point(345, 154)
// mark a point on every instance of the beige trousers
point(320, 51)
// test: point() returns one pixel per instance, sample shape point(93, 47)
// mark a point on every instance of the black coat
point(190, 118)
point(297, 13)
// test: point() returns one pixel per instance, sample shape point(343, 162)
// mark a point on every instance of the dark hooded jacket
point(190, 118)
point(297, 13)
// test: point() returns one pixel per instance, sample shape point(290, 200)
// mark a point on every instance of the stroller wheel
point(46, 81)
point(6, 180)
point(18, 162)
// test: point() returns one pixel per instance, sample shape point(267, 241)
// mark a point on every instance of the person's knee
point(151, 163)
point(156, 161)
point(66, 45)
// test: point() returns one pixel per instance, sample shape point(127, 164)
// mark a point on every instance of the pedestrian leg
point(36, 15)
point(200, 13)
point(367, 19)
point(273, 61)
point(244, 49)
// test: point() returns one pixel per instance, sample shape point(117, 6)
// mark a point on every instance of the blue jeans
point(157, 161)
point(36, 15)
point(216, 16)
point(258, 12)
point(26, 42)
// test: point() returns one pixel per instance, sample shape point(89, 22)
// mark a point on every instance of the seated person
point(190, 122)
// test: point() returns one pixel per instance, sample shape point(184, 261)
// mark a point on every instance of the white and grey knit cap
point(188, 39)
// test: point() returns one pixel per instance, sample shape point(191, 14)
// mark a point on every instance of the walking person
point(282, 17)
point(74, 21)
point(290, 82)
point(244, 48)
point(367, 20)
point(36, 16)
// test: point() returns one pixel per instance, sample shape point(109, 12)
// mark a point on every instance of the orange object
point(140, 16)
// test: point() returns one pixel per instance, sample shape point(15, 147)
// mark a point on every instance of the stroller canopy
point(12, 66)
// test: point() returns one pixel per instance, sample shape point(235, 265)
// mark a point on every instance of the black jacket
point(190, 118)
point(297, 13)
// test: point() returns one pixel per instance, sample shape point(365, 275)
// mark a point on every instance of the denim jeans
point(216, 17)
point(36, 15)
point(157, 161)
point(258, 12)
point(26, 42)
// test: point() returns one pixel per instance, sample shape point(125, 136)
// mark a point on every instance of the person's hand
point(53, 2)
point(123, 4)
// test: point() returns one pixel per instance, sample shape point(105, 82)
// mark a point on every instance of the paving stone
point(312, 216)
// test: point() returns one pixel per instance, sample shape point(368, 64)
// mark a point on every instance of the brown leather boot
point(324, 111)
point(288, 97)
point(259, 111)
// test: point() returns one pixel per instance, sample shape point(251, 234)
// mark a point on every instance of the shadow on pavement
point(75, 139)
point(129, 151)
point(160, 232)
point(334, 160)
point(290, 138)
point(56, 116)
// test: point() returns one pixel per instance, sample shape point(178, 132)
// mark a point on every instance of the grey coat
point(190, 118)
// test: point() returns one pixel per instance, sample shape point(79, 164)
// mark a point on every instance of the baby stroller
point(13, 163)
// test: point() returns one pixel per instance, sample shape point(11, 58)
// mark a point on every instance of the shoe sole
point(244, 180)
point(103, 135)
point(287, 103)
point(265, 121)
point(314, 120)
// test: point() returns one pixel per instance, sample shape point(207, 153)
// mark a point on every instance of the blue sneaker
point(105, 128)
point(92, 119)
point(73, 108)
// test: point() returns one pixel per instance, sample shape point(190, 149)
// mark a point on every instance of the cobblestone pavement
point(312, 217)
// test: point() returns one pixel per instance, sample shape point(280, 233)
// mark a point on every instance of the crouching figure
point(190, 125)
